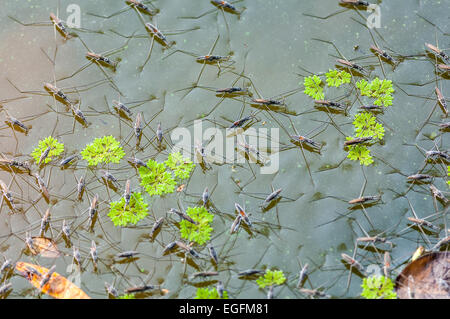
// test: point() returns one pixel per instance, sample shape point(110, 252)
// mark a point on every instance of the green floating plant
point(56, 149)
point(131, 214)
point(201, 232)
point(378, 287)
point(180, 166)
point(366, 125)
point(127, 296)
point(313, 87)
point(271, 278)
point(360, 153)
point(103, 150)
point(448, 174)
point(155, 179)
point(337, 78)
point(381, 90)
point(205, 293)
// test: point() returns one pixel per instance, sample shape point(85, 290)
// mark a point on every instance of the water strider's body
point(383, 54)
point(437, 51)
point(358, 140)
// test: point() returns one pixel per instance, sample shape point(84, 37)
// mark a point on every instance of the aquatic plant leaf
point(364, 87)
point(381, 90)
point(378, 287)
point(205, 293)
point(103, 150)
point(360, 153)
point(271, 278)
point(57, 287)
point(133, 212)
point(366, 125)
point(336, 78)
point(201, 232)
point(56, 149)
point(181, 167)
point(45, 247)
point(313, 87)
point(155, 179)
point(127, 296)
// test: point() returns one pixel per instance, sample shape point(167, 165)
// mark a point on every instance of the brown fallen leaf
point(57, 287)
point(45, 247)
point(427, 277)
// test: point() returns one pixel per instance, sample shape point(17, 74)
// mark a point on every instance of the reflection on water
point(271, 47)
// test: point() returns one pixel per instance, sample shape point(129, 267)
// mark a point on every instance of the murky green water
point(271, 43)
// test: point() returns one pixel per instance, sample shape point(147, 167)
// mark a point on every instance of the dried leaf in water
point(428, 277)
point(45, 247)
point(57, 287)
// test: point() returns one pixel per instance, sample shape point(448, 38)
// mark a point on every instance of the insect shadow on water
point(356, 204)
point(59, 26)
point(271, 200)
point(347, 5)
point(425, 227)
point(142, 6)
point(140, 123)
point(155, 35)
point(232, 92)
point(207, 59)
point(223, 7)
point(103, 62)
point(305, 143)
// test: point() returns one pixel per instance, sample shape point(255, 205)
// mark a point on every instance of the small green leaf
point(337, 78)
point(271, 278)
point(364, 87)
point(378, 287)
point(127, 296)
point(448, 174)
point(56, 149)
point(155, 179)
point(366, 125)
point(313, 87)
point(180, 166)
point(381, 90)
point(205, 293)
point(134, 212)
point(361, 153)
point(201, 232)
point(103, 150)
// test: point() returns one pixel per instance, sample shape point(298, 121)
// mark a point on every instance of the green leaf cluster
point(103, 150)
point(156, 179)
point(127, 296)
point(205, 293)
point(201, 232)
point(448, 174)
point(180, 166)
point(134, 212)
point(271, 278)
point(56, 149)
point(366, 125)
point(378, 287)
point(336, 78)
point(381, 90)
point(313, 87)
point(360, 153)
